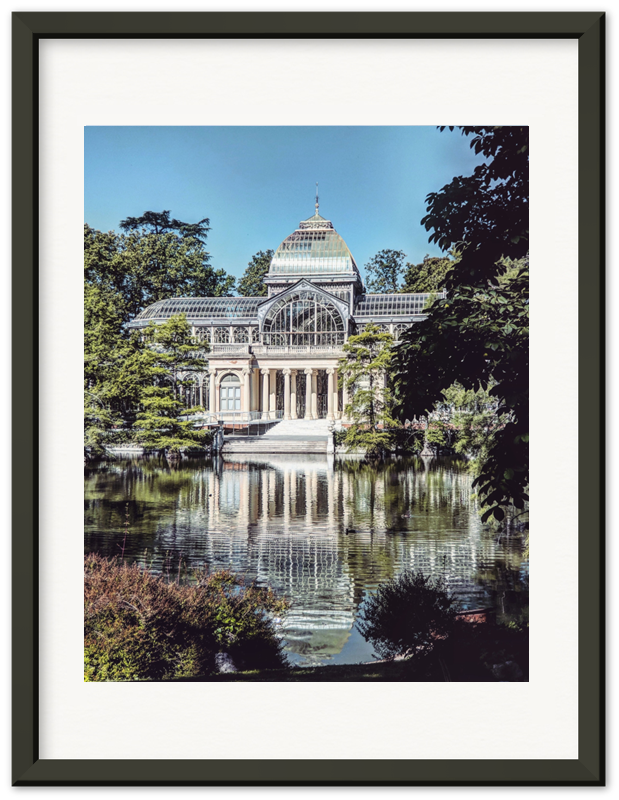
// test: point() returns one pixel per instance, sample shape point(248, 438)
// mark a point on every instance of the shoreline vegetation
point(138, 625)
point(145, 627)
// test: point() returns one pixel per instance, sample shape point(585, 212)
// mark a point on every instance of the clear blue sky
point(256, 183)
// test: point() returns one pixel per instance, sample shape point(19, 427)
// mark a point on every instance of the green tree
point(366, 362)
point(436, 434)
point(384, 271)
point(474, 417)
point(161, 422)
point(252, 283)
point(429, 276)
point(155, 258)
point(478, 334)
point(103, 330)
point(160, 223)
point(99, 420)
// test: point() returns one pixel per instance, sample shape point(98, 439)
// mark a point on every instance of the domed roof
point(314, 248)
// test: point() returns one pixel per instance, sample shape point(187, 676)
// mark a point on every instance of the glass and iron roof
point(197, 307)
point(391, 305)
point(314, 248)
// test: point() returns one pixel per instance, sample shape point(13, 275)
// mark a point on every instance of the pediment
point(302, 285)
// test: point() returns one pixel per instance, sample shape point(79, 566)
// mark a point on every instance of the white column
point(287, 393)
point(337, 411)
point(308, 393)
point(247, 389)
point(211, 391)
point(273, 390)
point(314, 394)
point(293, 394)
point(330, 373)
point(255, 390)
point(265, 392)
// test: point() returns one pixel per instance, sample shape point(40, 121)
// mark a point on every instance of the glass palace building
point(277, 356)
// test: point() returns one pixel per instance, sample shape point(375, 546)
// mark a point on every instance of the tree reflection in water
point(320, 533)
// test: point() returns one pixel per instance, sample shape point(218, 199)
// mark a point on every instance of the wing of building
point(278, 355)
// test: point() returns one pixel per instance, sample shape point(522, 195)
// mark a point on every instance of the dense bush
point(406, 615)
point(409, 440)
point(138, 626)
point(340, 437)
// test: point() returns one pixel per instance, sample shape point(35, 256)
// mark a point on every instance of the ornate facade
point(277, 356)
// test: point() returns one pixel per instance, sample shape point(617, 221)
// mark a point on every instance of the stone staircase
point(288, 436)
point(298, 427)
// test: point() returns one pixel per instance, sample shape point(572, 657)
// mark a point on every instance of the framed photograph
point(342, 417)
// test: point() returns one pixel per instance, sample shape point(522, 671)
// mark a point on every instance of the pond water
point(282, 520)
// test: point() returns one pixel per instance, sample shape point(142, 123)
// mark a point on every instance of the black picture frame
point(588, 29)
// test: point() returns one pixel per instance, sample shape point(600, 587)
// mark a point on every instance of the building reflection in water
point(320, 533)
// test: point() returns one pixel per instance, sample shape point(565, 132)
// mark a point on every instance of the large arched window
point(304, 318)
point(230, 393)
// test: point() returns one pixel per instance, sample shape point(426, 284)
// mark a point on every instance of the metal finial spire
point(317, 197)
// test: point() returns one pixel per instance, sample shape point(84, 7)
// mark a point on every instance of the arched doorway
point(230, 393)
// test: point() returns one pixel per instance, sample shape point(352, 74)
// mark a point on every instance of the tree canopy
point(252, 283)
point(478, 334)
point(156, 258)
point(384, 271)
point(485, 215)
point(159, 222)
point(362, 371)
point(429, 276)
point(152, 258)
point(170, 351)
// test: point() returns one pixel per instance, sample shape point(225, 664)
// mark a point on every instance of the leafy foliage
point(384, 271)
point(160, 223)
point(169, 349)
point(138, 385)
point(362, 370)
point(154, 259)
point(98, 422)
point(478, 335)
point(485, 215)
point(429, 276)
point(436, 434)
point(137, 626)
point(252, 283)
point(406, 615)
point(475, 421)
